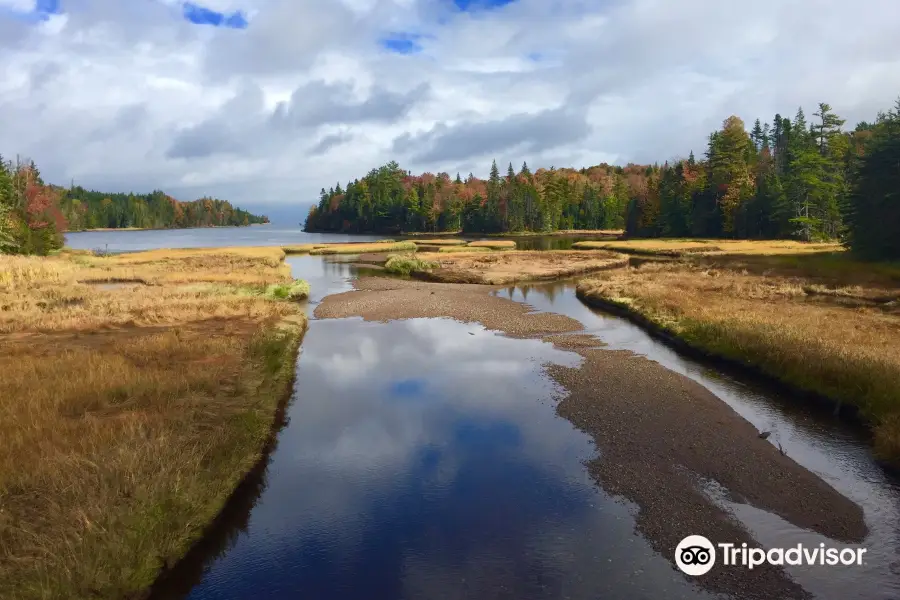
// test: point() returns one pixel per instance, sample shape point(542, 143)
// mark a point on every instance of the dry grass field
point(807, 322)
point(137, 391)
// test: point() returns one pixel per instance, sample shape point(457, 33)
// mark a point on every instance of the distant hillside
point(88, 209)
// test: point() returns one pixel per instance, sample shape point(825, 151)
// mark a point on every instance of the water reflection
point(424, 459)
point(837, 452)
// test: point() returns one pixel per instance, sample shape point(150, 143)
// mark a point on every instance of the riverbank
point(824, 333)
point(657, 432)
point(138, 391)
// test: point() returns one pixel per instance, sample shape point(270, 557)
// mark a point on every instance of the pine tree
point(873, 210)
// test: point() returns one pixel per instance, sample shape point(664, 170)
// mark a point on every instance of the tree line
point(34, 215)
point(799, 178)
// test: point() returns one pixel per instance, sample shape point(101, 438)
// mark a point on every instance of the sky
point(264, 102)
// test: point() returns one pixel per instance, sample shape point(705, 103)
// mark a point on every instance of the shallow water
point(837, 452)
point(424, 459)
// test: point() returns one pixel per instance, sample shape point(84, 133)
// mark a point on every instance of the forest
point(799, 178)
point(34, 215)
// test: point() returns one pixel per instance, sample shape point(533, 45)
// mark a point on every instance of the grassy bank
point(691, 247)
point(137, 391)
point(839, 341)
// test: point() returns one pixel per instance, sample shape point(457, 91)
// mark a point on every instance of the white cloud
point(110, 91)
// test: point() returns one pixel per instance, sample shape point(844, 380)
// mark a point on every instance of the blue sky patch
point(42, 11)
point(200, 15)
point(402, 43)
point(475, 5)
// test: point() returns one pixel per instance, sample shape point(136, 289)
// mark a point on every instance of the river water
point(424, 459)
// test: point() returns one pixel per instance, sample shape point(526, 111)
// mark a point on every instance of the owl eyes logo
point(695, 555)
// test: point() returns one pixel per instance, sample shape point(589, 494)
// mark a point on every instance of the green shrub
point(297, 290)
point(404, 265)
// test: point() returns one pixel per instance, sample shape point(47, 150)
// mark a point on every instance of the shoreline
point(217, 533)
point(844, 409)
point(612, 234)
point(646, 439)
point(162, 228)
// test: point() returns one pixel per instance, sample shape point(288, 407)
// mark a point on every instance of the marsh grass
point(176, 286)
point(687, 247)
point(440, 242)
point(838, 341)
point(128, 415)
point(296, 290)
point(493, 244)
point(406, 265)
point(299, 249)
point(363, 247)
point(503, 267)
point(454, 249)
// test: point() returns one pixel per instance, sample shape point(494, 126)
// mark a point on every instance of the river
point(424, 459)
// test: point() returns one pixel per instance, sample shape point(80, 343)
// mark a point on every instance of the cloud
point(131, 95)
point(330, 141)
point(524, 132)
point(244, 126)
point(320, 103)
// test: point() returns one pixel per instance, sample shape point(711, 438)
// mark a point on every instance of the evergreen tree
point(873, 212)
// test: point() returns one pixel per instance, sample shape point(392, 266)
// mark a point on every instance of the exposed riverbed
point(425, 458)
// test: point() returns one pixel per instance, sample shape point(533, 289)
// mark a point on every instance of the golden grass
point(470, 249)
point(299, 249)
point(363, 247)
point(440, 242)
point(171, 287)
point(493, 244)
point(128, 414)
point(560, 232)
point(682, 247)
point(498, 268)
point(842, 342)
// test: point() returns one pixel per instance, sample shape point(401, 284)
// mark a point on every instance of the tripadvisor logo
point(695, 555)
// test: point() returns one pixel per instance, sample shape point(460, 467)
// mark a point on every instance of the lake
point(262, 235)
